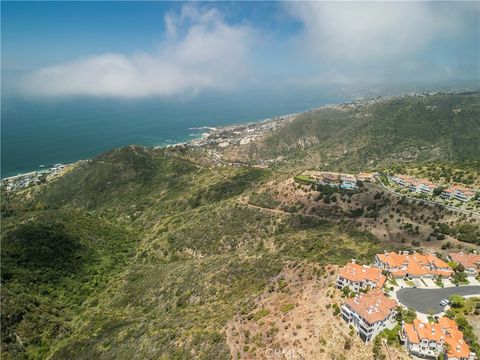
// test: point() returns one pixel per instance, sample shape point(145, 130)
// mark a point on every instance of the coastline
point(195, 140)
point(211, 132)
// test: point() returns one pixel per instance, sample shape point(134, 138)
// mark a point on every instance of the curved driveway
point(428, 300)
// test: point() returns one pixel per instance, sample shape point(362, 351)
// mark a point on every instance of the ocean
point(43, 132)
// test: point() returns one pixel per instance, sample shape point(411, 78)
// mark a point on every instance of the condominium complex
point(430, 340)
point(370, 313)
point(358, 277)
point(415, 265)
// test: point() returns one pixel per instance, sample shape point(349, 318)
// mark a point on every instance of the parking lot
point(428, 300)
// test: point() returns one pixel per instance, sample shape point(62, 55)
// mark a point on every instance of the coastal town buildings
point(369, 313)
point(415, 265)
point(430, 340)
point(471, 262)
point(356, 277)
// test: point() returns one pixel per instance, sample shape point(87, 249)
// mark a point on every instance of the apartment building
point(415, 265)
point(369, 313)
point(357, 277)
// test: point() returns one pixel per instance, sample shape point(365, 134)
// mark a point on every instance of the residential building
point(366, 177)
point(403, 180)
point(471, 262)
point(430, 340)
point(458, 192)
point(331, 179)
point(369, 313)
point(358, 277)
point(424, 186)
point(348, 182)
point(447, 193)
point(463, 194)
point(415, 265)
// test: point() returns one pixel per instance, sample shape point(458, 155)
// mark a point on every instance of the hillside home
point(369, 313)
point(366, 177)
point(463, 194)
point(471, 262)
point(424, 186)
point(327, 178)
point(415, 265)
point(405, 181)
point(430, 340)
point(458, 192)
point(348, 182)
point(447, 193)
point(357, 277)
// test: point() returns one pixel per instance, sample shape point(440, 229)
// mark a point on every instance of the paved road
point(426, 300)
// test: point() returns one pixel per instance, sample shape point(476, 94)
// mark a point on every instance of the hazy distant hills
point(407, 129)
point(142, 253)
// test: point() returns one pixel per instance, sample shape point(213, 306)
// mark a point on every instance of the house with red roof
point(458, 192)
point(430, 340)
point(369, 313)
point(415, 265)
point(357, 277)
point(471, 262)
point(424, 186)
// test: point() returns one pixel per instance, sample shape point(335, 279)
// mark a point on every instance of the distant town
point(33, 178)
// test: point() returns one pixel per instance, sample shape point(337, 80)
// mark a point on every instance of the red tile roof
point(373, 306)
point(358, 273)
point(446, 330)
point(414, 264)
point(467, 260)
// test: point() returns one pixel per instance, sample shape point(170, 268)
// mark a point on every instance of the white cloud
point(366, 41)
point(200, 51)
point(361, 32)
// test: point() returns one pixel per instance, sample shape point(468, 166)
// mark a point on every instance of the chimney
point(353, 261)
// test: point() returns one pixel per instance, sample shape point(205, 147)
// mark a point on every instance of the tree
point(409, 316)
point(437, 191)
point(405, 315)
point(456, 301)
point(459, 268)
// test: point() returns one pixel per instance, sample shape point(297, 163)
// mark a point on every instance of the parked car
point(444, 302)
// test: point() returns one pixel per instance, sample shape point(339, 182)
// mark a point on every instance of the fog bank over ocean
point(43, 132)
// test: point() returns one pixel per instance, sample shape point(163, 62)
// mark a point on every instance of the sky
point(175, 49)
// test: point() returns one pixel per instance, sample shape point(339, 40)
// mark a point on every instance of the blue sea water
point(43, 132)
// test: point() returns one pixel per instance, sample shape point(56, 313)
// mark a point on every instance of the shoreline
point(202, 139)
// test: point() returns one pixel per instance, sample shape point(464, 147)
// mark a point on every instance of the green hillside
point(407, 130)
point(141, 253)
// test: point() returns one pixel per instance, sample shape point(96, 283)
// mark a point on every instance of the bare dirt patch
point(294, 318)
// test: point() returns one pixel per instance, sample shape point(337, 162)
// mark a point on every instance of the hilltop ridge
point(166, 252)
